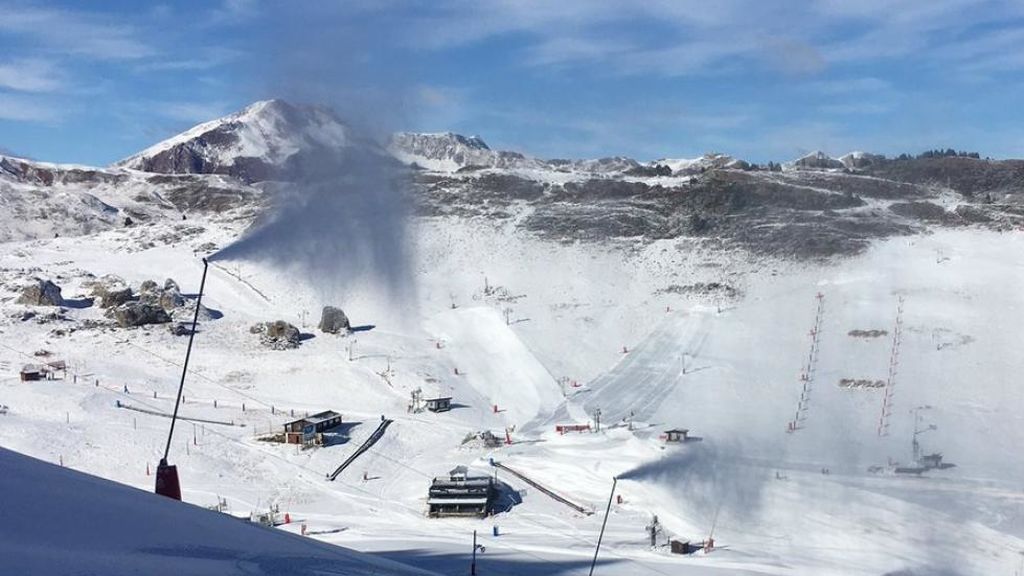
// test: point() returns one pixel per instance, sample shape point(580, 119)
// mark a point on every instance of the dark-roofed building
point(31, 372)
point(679, 435)
point(442, 404)
point(461, 494)
point(305, 430)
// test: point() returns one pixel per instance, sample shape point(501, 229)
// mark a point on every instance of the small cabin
point(57, 366)
point(683, 547)
point(565, 428)
point(461, 495)
point(305, 430)
point(31, 372)
point(443, 404)
point(676, 435)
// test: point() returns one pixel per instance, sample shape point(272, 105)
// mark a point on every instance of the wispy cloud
point(685, 37)
point(26, 109)
point(232, 12)
point(30, 75)
point(57, 31)
point(190, 112)
point(850, 85)
point(204, 59)
point(859, 108)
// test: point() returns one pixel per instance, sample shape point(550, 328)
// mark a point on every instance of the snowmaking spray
point(167, 482)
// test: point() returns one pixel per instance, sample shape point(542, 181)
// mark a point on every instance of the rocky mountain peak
point(254, 144)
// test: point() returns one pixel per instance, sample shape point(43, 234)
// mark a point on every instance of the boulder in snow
point(138, 314)
point(41, 293)
point(277, 335)
point(333, 320)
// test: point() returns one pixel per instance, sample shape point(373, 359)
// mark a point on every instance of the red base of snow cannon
point(167, 480)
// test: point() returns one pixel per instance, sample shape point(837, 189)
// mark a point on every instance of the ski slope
point(574, 308)
point(58, 521)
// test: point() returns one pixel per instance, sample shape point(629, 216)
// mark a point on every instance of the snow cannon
point(167, 483)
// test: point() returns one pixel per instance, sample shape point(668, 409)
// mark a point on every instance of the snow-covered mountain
point(709, 161)
point(449, 152)
point(817, 160)
point(859, 160)
point(255, 144)
point(41, 200)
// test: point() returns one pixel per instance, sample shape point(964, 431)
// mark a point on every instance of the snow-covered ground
point(60, 521)
point(521, 320)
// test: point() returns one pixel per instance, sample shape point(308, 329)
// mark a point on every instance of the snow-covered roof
point(443, 501)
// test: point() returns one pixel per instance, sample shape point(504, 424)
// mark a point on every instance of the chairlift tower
point(918, 430)
point(890, 380)
point(809, 369)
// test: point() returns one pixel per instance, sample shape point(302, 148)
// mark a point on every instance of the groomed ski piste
point(509, 354)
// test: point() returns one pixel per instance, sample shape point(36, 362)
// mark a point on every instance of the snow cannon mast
point(167, 483)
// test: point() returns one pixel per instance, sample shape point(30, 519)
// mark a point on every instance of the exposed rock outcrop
point(41, 293)
point(138, 314)
point(334, 321)
point(277, 335)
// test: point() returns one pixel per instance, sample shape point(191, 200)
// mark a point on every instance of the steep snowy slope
point(58, 521)
point(254, 144)
point(449, 152)
point(40, 200)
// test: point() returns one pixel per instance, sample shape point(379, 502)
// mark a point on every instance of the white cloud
point(26, 109)
point(686, 37)
point(77, 33)
point(859, 108)
point(29, 75)
point(191, 112)
point(205, 59)
point(848, 85)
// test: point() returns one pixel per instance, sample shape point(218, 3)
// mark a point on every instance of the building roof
point(438, 399)
point(316, 418)
point(477, 501)
point(29, 368)
point(677, 431)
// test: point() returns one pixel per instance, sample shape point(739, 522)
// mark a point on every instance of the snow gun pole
point(603, 524)
point(167, 483)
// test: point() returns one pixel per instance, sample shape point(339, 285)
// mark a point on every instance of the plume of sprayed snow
point(709, 476)
point(340, 220)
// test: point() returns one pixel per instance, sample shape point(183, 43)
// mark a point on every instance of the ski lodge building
point(442, 404)
point(47, 371)
point(461, 495)
point(31, 372)
point(305, 430)
point(678, 436)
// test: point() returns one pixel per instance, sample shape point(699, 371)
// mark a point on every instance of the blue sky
point(91, 82)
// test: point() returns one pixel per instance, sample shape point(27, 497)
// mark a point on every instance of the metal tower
point(809, 369)
point(890, 380)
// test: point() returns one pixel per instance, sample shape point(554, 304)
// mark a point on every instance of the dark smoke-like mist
point(340, 218)
point(710, 477)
